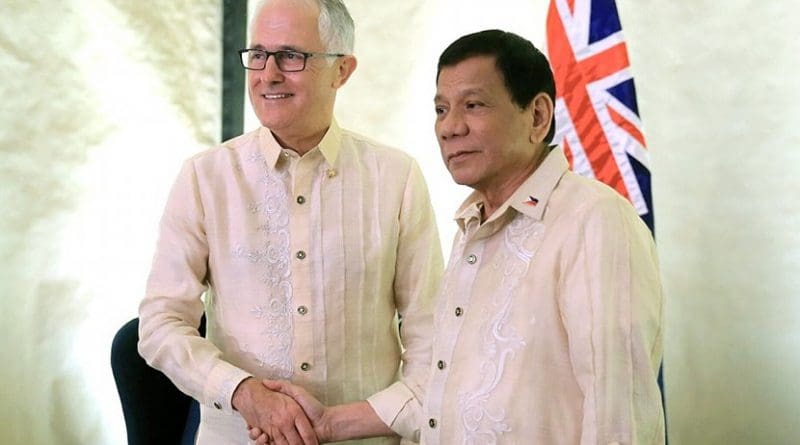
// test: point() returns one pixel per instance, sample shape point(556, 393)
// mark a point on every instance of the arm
point(417, 274)
point(171, 311)
point(612, 309)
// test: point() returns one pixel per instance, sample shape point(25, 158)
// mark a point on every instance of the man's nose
point(452, 124)
point(271, 72)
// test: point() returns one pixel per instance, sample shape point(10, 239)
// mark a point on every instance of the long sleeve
point(418, 271)
point(171, 310)
point(612, 309)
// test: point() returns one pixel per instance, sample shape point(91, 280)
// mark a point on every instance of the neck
point(495, 194)
point(301, 144)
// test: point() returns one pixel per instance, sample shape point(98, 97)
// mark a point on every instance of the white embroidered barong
point(305, 262)
point(549, 324)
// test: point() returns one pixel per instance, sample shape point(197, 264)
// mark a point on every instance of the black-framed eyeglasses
point(287, 60)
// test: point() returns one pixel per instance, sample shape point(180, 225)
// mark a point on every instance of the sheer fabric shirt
point(549, 324)
point(304, 262)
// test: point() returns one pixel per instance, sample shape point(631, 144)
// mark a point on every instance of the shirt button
point(302, 310)
point(472, 259)
point(459, 312)
point(300, 255)
point(331, 172)
point(217, 405)
point(301, 199)
point(440, 364)
point(432, 423)
point(305, 366)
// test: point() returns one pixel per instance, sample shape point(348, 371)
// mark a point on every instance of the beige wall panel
point(101, 102)
point(719, 97)
point(103, 99)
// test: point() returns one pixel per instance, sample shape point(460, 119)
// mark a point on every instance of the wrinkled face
point(485, 138)
point(296, 104)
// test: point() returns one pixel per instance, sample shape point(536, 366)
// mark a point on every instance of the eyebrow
point(462, 94)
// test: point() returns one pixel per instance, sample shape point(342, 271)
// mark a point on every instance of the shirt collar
point(469, 211)
point(530, 198)
point(329, 146)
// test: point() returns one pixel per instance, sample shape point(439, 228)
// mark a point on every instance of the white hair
point(336, 27)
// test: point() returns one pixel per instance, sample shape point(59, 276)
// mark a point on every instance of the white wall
point(101, 100)
point(92, 136)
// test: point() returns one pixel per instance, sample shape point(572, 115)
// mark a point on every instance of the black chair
point(155, 411)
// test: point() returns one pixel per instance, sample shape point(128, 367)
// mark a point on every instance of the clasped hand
point(292, 416)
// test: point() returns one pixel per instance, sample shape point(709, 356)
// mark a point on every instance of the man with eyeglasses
point(308, 241)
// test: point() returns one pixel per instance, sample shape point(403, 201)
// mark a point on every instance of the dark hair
point(524, 68)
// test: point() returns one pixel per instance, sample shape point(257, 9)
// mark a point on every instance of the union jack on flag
point(597, 117)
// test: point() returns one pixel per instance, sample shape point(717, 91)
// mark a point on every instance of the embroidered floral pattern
point(273, 258)
point(483, 423)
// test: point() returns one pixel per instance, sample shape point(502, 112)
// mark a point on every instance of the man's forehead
point(285, 47)
point(287, 23)
point(474, 75)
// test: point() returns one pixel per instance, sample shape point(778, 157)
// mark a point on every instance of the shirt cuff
point(399, 409)
point(222, 382)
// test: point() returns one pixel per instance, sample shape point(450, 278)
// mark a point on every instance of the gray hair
point(336, 27)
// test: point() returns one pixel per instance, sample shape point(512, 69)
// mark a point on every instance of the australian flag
point(597, 118)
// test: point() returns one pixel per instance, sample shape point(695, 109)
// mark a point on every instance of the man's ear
point(542, 110)
point(345, 67)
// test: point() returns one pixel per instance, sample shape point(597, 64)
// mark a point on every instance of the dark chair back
point(155, 411)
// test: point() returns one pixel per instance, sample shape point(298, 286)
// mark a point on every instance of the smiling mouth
point(277, 96)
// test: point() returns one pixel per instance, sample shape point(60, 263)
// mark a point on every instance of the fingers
point(305, 430)
point(286, 430)
point(280, 419)
point(299, 431)
point(295, 392)
point(263, 439)
point(254, 433)
point(292, 438)
point(284, 387)
point(279, 439)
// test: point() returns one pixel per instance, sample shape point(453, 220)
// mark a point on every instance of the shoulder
point(584, 197)
point(384, 154)
point(223, 153)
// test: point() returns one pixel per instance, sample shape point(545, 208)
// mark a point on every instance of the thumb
point(285, 387)
point(274, 385)
point(282, 387)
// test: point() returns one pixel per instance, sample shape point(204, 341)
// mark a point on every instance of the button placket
point(303, 248)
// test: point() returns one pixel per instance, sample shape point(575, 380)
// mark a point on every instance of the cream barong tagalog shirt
point(549, 324)
point(304, 262)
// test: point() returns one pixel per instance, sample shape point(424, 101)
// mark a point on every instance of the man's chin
point(273, 123)
point(461, 179)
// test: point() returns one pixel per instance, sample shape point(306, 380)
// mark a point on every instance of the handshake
point(280, 413)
